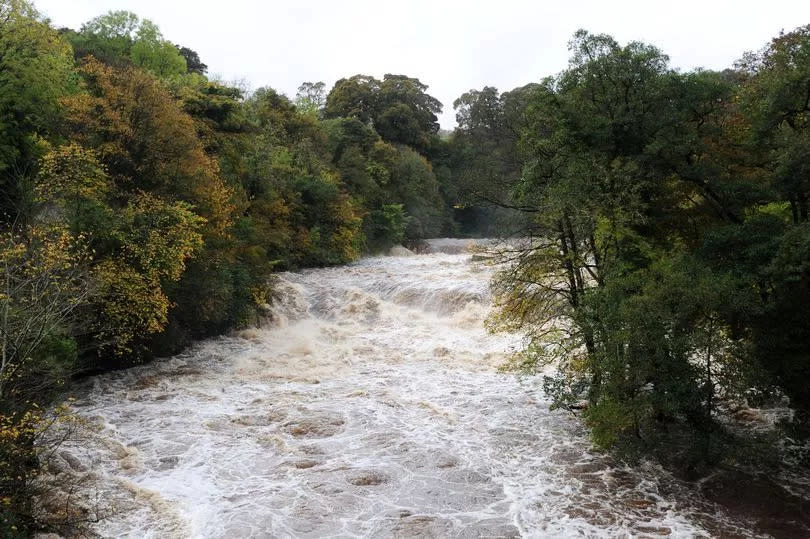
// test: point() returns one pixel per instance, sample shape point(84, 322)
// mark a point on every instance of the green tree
point(193, 62)
point(398, 107)
point(154, 240)
point(35, 71)
point(627, 170)
point(311, 97)
point(354, 97)
point(108, 37)
point(775, 99)
point(294, 189)
point(73, 185)
point(414, 185)
point(121, 37)
point(485, 158)
point(153, 53)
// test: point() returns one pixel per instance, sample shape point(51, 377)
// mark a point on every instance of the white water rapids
point(371, 407)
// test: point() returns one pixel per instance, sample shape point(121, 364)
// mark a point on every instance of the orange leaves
point(166, 194)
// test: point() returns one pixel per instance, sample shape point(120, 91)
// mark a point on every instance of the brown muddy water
point(371, 406)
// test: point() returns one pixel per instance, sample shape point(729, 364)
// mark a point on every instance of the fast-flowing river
point(371, 406)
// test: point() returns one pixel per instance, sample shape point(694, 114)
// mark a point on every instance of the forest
point(655, 222)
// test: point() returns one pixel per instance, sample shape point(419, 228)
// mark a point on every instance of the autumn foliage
point(146, 206)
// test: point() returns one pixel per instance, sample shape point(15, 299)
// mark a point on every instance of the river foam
point(370, 406)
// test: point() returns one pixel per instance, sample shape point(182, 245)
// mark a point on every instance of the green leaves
point(36, 69)
point(398, 107)
point(158, 237)
point(672, 209)
point(120, 37)
point(414, 184)
point(311, 98)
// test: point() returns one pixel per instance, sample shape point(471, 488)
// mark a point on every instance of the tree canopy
point(398, 107)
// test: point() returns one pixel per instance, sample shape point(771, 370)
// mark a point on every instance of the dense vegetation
point(145, 205)
point(662, 217)
point(666, 266)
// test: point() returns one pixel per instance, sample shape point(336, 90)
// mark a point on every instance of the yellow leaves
point(69, 173)
point(44, 281)
point(13, 249)
point(28, 441)
point(32, 423)
point(46, 255)
point(148, 143)
point(159, 237)
point(215, 202)
point(132, 306)
point(163, 199)
point(145, 138)
point(345, 239)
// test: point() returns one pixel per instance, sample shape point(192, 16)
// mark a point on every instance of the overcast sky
point(450, 45)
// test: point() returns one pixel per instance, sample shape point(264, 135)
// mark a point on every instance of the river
point(370, 405)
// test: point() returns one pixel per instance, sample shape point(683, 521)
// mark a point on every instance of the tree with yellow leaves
point(44, 281)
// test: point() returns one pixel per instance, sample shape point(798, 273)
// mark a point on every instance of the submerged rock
point(367, 478)
point(315, 427)
point(399, 250)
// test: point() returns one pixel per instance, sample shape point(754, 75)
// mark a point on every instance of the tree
point(37, 70)
point(193, 62)
point(146, 141)
point(626, 171)
point(155, 240)
point(72, 183)
point(354, 97)
point(414, 185)
point(298, 203)
point(398, 107)
point(121, 37)
point(149, 147)
point(407, 114)
point(311, 97)
point(109, 37)
point(155, 54)
point(775, 98)
point(45, 281)
point(485, 157)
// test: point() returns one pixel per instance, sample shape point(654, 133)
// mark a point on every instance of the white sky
point(450, 45)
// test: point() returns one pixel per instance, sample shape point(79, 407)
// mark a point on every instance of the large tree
point(776, 100)
point(399, 107)
point(35, 71)
point(121, 37)
point(626, 171)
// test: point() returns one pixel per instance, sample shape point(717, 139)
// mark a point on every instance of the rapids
point(370, 405)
